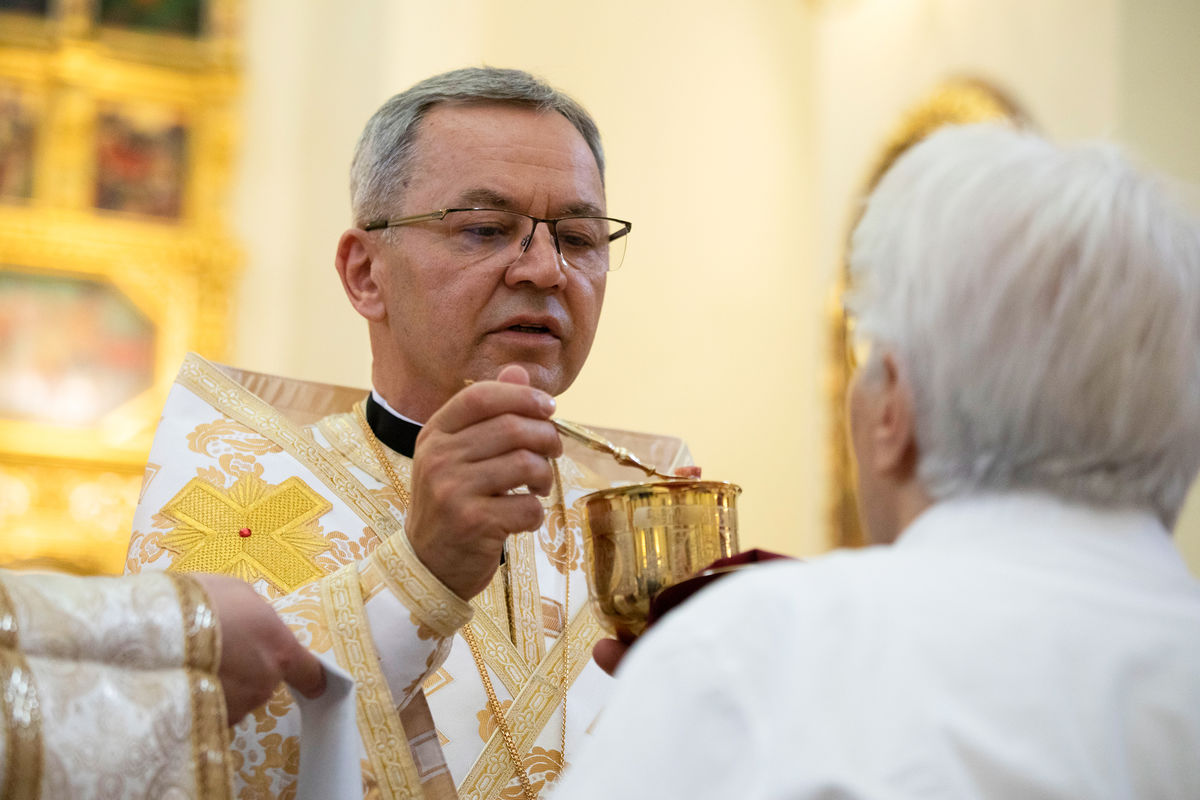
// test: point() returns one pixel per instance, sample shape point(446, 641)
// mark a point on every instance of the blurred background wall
point(738, 133)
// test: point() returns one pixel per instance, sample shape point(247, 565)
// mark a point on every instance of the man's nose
point(540, 263)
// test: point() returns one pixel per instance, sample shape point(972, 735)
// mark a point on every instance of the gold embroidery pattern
point(533, 707)
point(418, 589)
point(23, 721)
point(226, 434)
point(493, 601)
point(201, 638)
point(542, 766)
point(487, 720)
point(267, 764)
point(304, 614)
point(383, 737)
point(439, 679)
point(558, 535)
point(230, 398)
point(526, 598)
point(553, 617)
point(210, 737)
point(343, 549)
point(500, 654)
point(8, 619)
point(346, 436)
point(144, 548)
point(255, 530)
point(148, 476)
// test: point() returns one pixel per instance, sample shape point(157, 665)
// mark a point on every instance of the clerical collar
point(392, 428)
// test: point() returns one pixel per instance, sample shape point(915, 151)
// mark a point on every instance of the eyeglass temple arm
point(379, 224)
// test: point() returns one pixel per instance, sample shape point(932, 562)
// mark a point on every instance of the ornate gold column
point(116, 139)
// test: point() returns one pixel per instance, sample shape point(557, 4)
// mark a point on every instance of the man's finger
point(489, 399)
point(608, 654)
point(513, 373)
point(505, 434)
point(304, 673)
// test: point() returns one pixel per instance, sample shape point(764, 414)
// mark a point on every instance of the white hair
point(1043, 304)
point(384, 152)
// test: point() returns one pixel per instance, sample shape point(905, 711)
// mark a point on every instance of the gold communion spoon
point(597, 442)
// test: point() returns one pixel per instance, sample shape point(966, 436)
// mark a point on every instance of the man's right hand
point(489, 439)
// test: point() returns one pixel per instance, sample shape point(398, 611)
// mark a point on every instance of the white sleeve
point(679, 725)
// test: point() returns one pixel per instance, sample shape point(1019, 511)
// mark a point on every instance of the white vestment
point(1007, 646)
point(274, 481)
point(108, 688)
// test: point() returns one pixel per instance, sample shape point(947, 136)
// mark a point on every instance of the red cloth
point(672, 596)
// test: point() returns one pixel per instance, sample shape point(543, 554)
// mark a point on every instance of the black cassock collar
point(396, 432)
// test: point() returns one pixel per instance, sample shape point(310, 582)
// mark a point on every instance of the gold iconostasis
point(116, 140)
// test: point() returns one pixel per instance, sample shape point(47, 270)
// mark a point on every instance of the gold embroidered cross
point(253, 530)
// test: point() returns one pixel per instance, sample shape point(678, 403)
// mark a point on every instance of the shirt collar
point(1037, 527)
point(391, 427)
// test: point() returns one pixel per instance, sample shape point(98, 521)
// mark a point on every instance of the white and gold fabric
point(274, 481)
point(108, 688)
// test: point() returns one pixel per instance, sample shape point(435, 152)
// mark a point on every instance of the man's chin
point(547, 378)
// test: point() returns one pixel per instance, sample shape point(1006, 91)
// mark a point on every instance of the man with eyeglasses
point(424, 536)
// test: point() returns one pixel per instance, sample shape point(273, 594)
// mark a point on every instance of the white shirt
point(1005, 647)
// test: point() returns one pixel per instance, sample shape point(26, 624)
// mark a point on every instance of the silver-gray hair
point(1044, 304)
point(385, 148)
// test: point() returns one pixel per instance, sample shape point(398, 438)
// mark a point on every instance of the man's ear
point(356, 266)
point(894, 448)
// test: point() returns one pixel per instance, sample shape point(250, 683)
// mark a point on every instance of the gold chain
point(388, 469)
point(468, 634)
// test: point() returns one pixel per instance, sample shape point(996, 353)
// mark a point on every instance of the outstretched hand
point(490, 439)
point(257, 649)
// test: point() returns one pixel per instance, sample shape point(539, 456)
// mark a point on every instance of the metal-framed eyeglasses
point(496, 237)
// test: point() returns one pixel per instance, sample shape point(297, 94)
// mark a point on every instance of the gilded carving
point(125, 194)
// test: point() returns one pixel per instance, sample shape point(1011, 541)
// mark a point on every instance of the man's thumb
point(513, 373)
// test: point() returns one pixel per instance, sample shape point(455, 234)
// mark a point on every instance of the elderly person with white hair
point(1026, 424)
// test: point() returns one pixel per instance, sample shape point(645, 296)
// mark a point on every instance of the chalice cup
point(640, 539)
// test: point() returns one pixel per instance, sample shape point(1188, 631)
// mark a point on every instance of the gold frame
point(67, 494)
point(954, 102)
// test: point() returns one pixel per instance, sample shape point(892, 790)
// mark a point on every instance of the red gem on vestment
point(244, 533)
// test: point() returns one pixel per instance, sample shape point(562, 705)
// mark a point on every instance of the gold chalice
point(640, 539)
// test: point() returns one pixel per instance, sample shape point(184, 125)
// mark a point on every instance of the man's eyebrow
point(484, 198)
point(489, 198)
point(583, 209)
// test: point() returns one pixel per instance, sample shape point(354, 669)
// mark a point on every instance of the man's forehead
point(496, 155)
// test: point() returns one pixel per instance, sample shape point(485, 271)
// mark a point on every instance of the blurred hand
point(607, 653)
point(257, 649)
point(489, 439)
